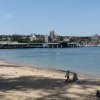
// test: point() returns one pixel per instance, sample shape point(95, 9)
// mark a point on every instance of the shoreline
point(35, 83)
point(48, 67)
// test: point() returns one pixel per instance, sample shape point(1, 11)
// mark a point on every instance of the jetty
point(12, 45)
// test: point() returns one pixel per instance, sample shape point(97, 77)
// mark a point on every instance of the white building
point(8, 42)
point(32, 37)
point(67, 39)
point(46, 38)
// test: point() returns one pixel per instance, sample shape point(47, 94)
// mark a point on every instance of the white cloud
point(8, 16)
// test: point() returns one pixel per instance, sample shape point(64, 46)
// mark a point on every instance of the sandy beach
point(25, 83)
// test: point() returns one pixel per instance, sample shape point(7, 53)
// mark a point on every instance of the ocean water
point(84, 59)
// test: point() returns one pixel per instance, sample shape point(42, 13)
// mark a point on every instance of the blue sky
point(66, 17)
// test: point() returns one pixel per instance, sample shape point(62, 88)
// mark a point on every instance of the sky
point(65, 17)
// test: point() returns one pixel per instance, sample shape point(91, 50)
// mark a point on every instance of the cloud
point(8, 16)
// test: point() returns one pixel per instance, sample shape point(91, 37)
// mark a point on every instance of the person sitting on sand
point(98, 93)
point(75, 78)
point(67, 78)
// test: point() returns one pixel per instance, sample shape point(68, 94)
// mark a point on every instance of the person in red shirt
point(67, 78)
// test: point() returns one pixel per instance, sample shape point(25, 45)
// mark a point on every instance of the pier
point(36, 45)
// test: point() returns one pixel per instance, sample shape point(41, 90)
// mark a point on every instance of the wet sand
point(19, 82)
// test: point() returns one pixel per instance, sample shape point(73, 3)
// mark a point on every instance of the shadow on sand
point(56, 88)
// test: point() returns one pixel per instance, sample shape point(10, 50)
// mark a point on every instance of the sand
point(19, 82)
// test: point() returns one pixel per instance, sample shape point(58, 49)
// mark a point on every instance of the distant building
point(8, 42)
point(8, 38)
point(53, 36)
point(4, 39)
point(95, 37)
point(40, 38)
point(32, 37)
point(46, 38)
point(66, 39)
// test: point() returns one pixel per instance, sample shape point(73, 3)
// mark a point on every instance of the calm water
point(85, 59)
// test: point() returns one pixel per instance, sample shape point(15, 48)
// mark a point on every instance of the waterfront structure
point(52, 38)
point(7, 45)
